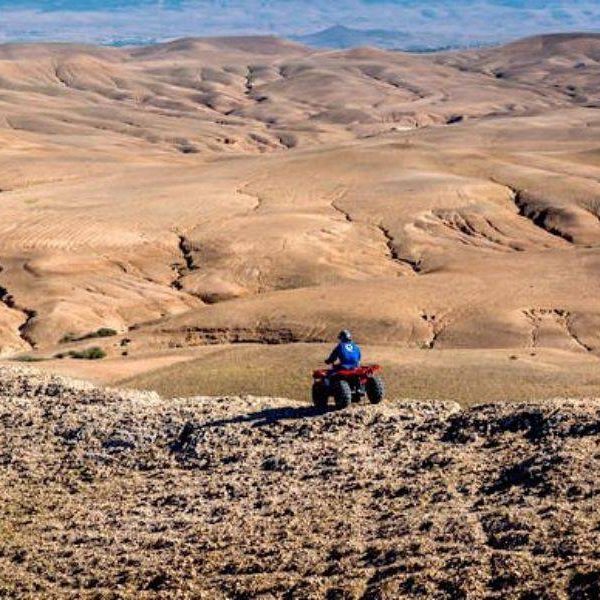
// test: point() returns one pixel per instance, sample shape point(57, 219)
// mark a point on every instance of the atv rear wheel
point(320, 395)
point(375, 390)
point(342, 392)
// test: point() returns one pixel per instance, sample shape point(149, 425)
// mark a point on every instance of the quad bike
point(347, 386)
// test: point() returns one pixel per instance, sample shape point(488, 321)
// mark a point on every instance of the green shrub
point(68, 337)
point(94, 353)
point(29, 359)
point(103, 332)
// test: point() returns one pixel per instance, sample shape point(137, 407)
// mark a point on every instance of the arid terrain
point(108, 494)
point(250, 191)
point(198, 219)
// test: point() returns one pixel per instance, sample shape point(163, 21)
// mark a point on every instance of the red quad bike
point(347, 386)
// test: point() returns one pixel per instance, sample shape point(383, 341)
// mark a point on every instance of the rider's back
point(349, 355)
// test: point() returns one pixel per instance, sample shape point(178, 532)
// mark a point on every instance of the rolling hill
point(252, 190)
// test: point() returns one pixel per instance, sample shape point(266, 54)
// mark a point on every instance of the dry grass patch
point(465, 376)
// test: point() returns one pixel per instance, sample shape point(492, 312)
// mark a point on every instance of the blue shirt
point(347, 353)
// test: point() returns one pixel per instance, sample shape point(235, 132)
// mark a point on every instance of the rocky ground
point(108, 494)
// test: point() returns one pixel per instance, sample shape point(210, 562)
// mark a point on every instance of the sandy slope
point(126, 495)
point(251, 190)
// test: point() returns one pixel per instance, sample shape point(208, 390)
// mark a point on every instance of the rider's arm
point(333, 356)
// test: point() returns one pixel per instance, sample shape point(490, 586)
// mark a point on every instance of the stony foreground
point(105, 494)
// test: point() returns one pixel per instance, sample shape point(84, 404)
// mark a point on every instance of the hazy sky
point(113, 20)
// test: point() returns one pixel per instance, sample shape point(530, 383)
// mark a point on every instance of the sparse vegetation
point(188, 149)
point(68, 338)
point(27, 358)
point(103, 332)
point(94, 353)
point(185, 146)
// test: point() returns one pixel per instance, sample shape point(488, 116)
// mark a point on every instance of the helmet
point(345, 336)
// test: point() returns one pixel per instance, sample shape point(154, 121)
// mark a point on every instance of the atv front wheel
point(375, 390)
point(342, 392)
point(320, 395)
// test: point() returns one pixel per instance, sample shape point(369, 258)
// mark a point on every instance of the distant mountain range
point(396, 24)
point(341, 37)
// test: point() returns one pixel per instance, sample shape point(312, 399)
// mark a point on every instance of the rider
point(346, 353)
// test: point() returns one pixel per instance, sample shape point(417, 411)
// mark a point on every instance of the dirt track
point(121, 494)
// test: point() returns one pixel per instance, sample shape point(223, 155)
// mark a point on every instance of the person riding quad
point(346, 355)
point(346, 381)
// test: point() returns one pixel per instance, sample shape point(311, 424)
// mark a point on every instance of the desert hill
point(566, 62)
point(219, 191)
point(125, 494)
point(216, 92)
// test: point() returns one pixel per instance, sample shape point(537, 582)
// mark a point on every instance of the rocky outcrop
point(126, 494)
